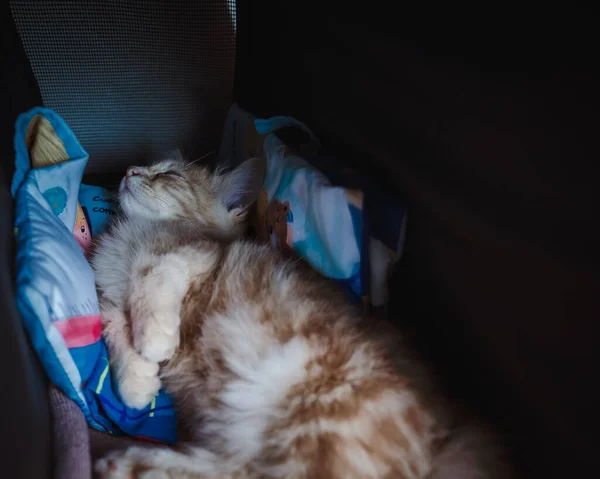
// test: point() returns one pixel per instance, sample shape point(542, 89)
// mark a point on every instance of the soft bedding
point(56, 217)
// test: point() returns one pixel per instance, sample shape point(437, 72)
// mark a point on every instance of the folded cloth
point(56, 293)
point(348, 229)
point(387, 219)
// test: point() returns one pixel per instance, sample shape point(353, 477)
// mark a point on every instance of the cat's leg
point(159, 283)
point(162, 463)
point(137, 378)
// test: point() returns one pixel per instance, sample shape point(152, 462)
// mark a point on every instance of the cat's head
point(175, 190)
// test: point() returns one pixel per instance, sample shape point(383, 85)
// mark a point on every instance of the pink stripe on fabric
point(80, 331)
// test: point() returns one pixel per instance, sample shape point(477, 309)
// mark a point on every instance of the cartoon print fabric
point(55, 287)
point(310, 207)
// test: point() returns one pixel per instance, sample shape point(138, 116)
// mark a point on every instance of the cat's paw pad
point(138, 382)
point(157, 338)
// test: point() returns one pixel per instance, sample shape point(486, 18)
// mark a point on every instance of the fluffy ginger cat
point(273, 374)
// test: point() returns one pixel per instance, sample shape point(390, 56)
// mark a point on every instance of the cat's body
point(273, 373)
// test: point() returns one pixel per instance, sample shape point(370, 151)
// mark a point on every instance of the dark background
point(486, 122)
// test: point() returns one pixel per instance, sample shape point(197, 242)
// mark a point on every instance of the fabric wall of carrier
point(134, 78)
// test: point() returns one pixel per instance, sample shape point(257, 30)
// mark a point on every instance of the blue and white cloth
point(347, 228)
point(56, 293)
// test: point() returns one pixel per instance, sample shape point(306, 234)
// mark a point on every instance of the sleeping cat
point(273, 374)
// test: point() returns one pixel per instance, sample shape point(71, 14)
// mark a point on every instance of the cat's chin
point(137, 211)
point(131, 208)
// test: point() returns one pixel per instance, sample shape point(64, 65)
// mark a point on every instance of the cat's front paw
point(138, 381)
point(127, 465)
point(113, 466)
point(157, 337)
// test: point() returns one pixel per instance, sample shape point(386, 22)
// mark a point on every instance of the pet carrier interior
point(485, 125)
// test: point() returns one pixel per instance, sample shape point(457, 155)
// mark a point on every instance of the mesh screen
point(133, 78)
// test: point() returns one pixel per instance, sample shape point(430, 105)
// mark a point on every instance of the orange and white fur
point(273, 374)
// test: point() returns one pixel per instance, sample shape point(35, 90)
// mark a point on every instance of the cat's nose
point(132, 171)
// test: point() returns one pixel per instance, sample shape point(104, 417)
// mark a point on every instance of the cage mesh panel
point(133, 78)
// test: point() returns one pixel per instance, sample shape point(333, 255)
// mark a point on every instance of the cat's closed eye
point(171, 173)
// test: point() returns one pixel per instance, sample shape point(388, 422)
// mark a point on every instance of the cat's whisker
point(161, 200)
point(191, 223)
point(201, 158)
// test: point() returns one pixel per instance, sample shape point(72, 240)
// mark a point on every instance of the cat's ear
point(241, 186)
